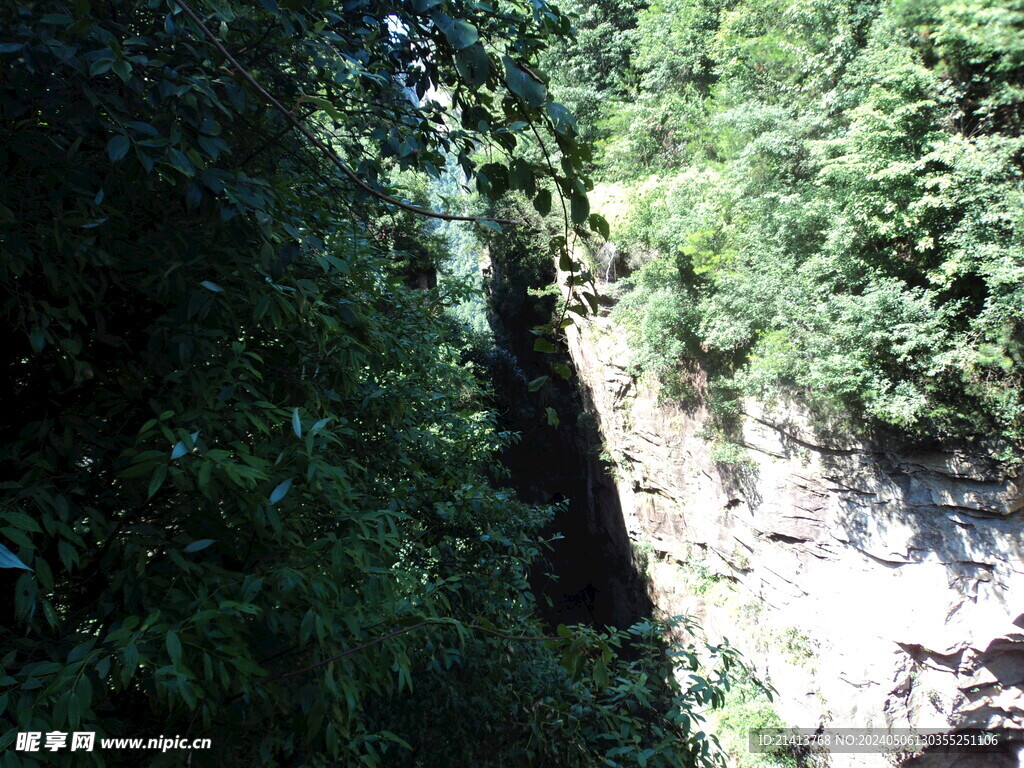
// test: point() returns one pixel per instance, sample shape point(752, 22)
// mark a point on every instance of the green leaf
point(492, 180)
point(43, 573)
point(599, 224)
point(25, 596)
point(542, 202)
point(473, 65)
point(562, 118)
point(543, 345)
point(521, 176)
point(9, 560)
point(601, 674)
point(37, 340)
point(22, 521)
point(118, 147)
point(537, 383)
point(102, 65)
point(122, 69)
point(179, 161)
point(296, 423)
point(178, 451)
point(145, 128)
point(211, 286)
point(280, 491)
point(461, 34)
point(552, 416)
point(198, 545)
point(157, 480)
point(130, 656)
point(579, 208)
point(173, 647)
point(524, 83)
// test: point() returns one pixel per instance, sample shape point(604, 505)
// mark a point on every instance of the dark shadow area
point(589, 575)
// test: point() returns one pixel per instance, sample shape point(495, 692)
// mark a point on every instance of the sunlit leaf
point(9, 560)
point(280, 491)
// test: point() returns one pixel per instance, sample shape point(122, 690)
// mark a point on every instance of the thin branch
point(350, 651)
point(326, 150)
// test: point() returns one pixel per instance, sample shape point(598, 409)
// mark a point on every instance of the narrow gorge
point(877, 584)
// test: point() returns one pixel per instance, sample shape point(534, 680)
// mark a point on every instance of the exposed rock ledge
point(874, 588)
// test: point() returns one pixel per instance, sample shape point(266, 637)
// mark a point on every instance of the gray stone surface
point(873, 587)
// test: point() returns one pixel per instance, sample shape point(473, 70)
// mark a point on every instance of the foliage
point(244, 465)
point(596, 707)
point(594, 61)
point(836, 211)
point(750, 707)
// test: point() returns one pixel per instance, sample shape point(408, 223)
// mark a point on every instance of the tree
point(245, 472)
point(835, 208)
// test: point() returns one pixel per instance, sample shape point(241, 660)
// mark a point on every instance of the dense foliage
point(247, 486)
point(823, 200)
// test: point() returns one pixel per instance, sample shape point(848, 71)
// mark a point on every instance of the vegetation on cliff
point(820, 200)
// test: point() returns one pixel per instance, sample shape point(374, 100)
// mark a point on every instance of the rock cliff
point(873, 586)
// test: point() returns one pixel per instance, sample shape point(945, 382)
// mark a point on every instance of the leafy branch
point(329, 153)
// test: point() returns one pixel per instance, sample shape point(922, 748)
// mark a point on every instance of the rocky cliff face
point(873, 586)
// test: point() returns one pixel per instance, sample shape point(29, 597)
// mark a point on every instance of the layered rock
point(874, 586)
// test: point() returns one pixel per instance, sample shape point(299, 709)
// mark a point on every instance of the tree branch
point(326, 150)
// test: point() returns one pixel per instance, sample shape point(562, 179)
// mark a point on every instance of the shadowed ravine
point(589, 575)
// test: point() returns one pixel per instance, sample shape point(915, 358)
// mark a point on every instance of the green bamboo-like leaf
point(173, 647)
point(280, 491)
point(157, 480)
point(9, 560)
